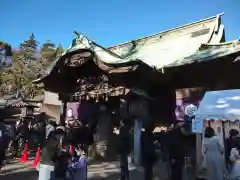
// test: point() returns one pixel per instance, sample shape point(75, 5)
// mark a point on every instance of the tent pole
point(224, 142)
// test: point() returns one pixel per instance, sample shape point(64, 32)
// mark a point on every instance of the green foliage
point(49, 53)
point(27, 66)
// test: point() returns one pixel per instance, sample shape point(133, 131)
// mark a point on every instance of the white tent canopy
point(219, 105)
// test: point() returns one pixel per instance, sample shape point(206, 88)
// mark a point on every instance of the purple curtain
point(82, 111)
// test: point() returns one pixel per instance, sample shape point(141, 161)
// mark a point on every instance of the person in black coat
point(124, 147)
point(176, 151)
point(233, 133)
point(3, 142)
point(149, 156)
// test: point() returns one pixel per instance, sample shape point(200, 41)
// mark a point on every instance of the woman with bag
point(213, 150)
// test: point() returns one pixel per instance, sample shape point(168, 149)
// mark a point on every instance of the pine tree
point(31, 44)
point(29, 48)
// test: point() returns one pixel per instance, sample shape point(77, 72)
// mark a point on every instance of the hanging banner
point(197, 125)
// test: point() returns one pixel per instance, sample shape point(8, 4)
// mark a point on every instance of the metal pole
point(224, 142)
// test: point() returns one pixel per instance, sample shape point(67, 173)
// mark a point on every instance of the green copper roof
point(209, 52)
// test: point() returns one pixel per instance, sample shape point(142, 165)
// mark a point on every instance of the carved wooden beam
point(100, 94)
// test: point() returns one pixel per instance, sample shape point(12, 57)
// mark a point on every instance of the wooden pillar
point(103, 135)
point(137, 142)
point(138, 108)
point(199, 153)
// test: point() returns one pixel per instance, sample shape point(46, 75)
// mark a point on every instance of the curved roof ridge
point(170, 30)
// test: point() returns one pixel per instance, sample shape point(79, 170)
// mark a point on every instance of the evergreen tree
point(30, 45)
point(29, 49)
point(26, 67)
point(23, 71)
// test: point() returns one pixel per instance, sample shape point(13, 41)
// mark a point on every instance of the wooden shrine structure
point(147, 84)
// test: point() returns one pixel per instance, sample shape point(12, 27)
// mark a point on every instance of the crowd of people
point(171, 145)
point(54, 141)
point(58, 161)
point(221, 158)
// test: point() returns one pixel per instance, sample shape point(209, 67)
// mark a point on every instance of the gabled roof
point(18, 100)
point(166, 47)
point(16, 103)
point(159, 50)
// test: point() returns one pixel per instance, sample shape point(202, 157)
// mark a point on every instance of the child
point(80, 166)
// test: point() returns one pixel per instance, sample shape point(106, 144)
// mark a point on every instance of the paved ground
point(17, 171)
point(102, 171)
point(107, 171)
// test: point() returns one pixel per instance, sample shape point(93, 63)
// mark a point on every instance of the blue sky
point(108, 22)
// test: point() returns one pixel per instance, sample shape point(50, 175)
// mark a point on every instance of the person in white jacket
point(213, 150)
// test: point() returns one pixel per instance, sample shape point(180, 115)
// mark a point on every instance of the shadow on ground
point(32, 175)
point(14, 165)
point(26, 175)
point(134, 175)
